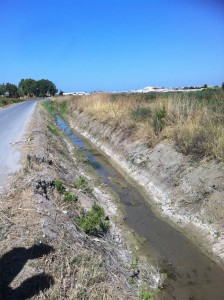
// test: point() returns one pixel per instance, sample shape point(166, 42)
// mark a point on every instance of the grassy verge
point(193, 121)
point(9, 101)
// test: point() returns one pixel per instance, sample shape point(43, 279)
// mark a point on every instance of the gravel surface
point(13, 124)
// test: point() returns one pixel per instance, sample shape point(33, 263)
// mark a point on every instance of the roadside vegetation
point(8, 101)
point(194, 121)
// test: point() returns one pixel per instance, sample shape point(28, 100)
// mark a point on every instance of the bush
point(94, 222)
point(69, 197)
point(141, 113)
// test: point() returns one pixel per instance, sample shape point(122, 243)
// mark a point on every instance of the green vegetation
point(59, 185)
point(158, 121)
point(69, 197)
point(53, 129)
point(40, 88)
point(94, 223)
point(145, 294)
point(82, 184)
point(49, 106)
point(8, 101)
point(28, 87)
point(141, 113)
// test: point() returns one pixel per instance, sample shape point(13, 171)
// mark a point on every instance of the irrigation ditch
point(187, 271)
point(192, 270)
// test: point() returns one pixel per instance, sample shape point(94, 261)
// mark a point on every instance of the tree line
point(29, 87)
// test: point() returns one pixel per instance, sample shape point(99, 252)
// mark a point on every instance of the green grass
point(53, 129)
point(49, 106)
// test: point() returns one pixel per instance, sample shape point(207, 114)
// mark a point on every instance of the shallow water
point(191, 274)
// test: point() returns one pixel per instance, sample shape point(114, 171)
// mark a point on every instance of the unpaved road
point(13, 124)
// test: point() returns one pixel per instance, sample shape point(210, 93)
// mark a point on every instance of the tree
point(61, 93)
point(46, 88)
point(2, 89)
point(28, 87)
point(223, 86)
point(11, 89)
point(205, 86)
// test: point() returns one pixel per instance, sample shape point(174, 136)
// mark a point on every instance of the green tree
point(2, 89)
point(46, 88)
point(11, 89)
point(28, 87)
point(222, 86)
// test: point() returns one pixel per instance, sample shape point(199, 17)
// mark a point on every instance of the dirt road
point(13, 124)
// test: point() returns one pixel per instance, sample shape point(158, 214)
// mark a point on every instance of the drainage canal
point(190, 273)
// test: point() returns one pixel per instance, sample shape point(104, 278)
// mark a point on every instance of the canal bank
point(191, 274)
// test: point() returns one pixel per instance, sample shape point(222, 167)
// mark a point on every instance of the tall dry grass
point(194, 121)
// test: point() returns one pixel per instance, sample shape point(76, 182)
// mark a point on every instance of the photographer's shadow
point(12, 262)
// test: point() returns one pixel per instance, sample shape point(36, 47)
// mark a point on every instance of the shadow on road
point(12, 262)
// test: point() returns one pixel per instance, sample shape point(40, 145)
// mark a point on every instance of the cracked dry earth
point(43, 254)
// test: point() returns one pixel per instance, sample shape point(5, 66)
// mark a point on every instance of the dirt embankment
point(188, 191)
point(44, 254)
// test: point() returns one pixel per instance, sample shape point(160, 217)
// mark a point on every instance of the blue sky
point(87, 45)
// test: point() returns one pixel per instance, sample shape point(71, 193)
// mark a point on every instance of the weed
point(158, 120)
point(94, 222)
point(52, 128)
point(62, 107)
point(134, 262)
point(82, 183)
point(145, 294)
point(49, 106)
point(59, 184)
point(70, 197)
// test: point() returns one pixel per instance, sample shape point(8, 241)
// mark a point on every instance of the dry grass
point(81, 268)
point(194, 121)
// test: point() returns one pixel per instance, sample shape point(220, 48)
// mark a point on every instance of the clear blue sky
point(87, 45)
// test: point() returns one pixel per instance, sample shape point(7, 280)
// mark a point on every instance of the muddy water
point(190, 273)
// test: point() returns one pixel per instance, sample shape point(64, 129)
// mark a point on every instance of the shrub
point(69, 197)
point(59, 184)
point(141, 113)
point(94, 222)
